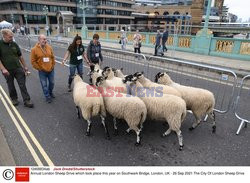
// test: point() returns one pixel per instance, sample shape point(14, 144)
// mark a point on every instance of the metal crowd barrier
point(242, 110)
point(220, 81)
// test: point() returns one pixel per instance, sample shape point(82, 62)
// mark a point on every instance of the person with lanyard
point(76, 53)
point(13, 66)
point(94, 52)
point(43, 59)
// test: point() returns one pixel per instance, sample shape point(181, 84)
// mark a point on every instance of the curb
point(6, 157)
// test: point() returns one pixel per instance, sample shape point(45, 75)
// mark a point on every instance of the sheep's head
point(163, 78)
point(107, 72)
point(128, 79)
point(99, 80)
point(139, 75)
point(77, 78)
point(119, 73)
point(158, 75)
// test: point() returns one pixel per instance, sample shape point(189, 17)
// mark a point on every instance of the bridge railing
point(217, 46)
point(230, 48)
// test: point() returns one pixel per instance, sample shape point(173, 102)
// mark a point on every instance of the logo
point(22, 174)
point(8, 174)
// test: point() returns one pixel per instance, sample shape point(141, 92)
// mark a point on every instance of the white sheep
point(123, 106)
point(170, 108)
point(199, 101)
point(157, 87)
point(119, 73)
point(90, 105)
point(113, 82)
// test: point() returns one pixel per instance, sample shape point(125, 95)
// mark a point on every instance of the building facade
point(96, 11)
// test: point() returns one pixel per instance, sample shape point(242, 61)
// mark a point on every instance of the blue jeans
point(44, 77)
point(72, 70)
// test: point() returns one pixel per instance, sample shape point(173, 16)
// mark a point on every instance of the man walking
point(43, 60)
point(13, 66)
point(158, 40)
point(164, 40)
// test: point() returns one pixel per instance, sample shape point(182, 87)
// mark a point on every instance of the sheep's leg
point(105, 127)
point(78, 112)
point(88, 128)
point(195, 124)
point(115, 126)
point(138, 135)
point(166, 133)
point(180, 139)
point(212, 116)
point(128, 130)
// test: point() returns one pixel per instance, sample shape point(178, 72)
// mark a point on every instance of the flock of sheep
point(134, 98)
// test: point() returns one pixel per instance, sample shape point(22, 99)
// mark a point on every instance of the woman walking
point(77, 53)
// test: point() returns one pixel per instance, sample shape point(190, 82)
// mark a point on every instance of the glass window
point(28, 7)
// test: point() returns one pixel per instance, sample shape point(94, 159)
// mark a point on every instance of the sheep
point(94, 69)
point(158, 87)
point(90, 106)
point(199, 101)
point(170, 108)
point(112, 81)
point(123, 106)
point(119, 73)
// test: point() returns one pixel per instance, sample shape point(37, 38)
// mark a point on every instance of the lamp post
point(207, 14)
point(45, 11)
point(12, 18)
point(84, 27)
point(204, 36)
point(26, 24)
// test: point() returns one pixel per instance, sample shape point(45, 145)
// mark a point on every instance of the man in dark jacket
point(13, 66)
point(164, 39)
point(94, 50)
point(158, 40)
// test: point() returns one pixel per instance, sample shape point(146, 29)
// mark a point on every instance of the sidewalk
point(233, 64)
point(6, 158)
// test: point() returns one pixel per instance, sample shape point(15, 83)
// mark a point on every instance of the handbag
point(120, 42)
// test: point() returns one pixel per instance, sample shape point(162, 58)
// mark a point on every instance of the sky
point(239, 8)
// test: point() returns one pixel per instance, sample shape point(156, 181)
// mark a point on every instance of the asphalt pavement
point(62, 135)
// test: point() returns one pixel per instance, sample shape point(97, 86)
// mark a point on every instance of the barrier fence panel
point(23, 41)
point(220, 81)
point(130, 62)
point(242, 103)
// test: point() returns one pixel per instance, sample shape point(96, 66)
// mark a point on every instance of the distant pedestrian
point(22, 30)
point(76, 52)
point(123, 39)
point(13, 66)
point(164, 40)
point(47, 30)
point(158, 42)
point(43, 60)
point(137, 42)
point(94, 51)
point(50, 30)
